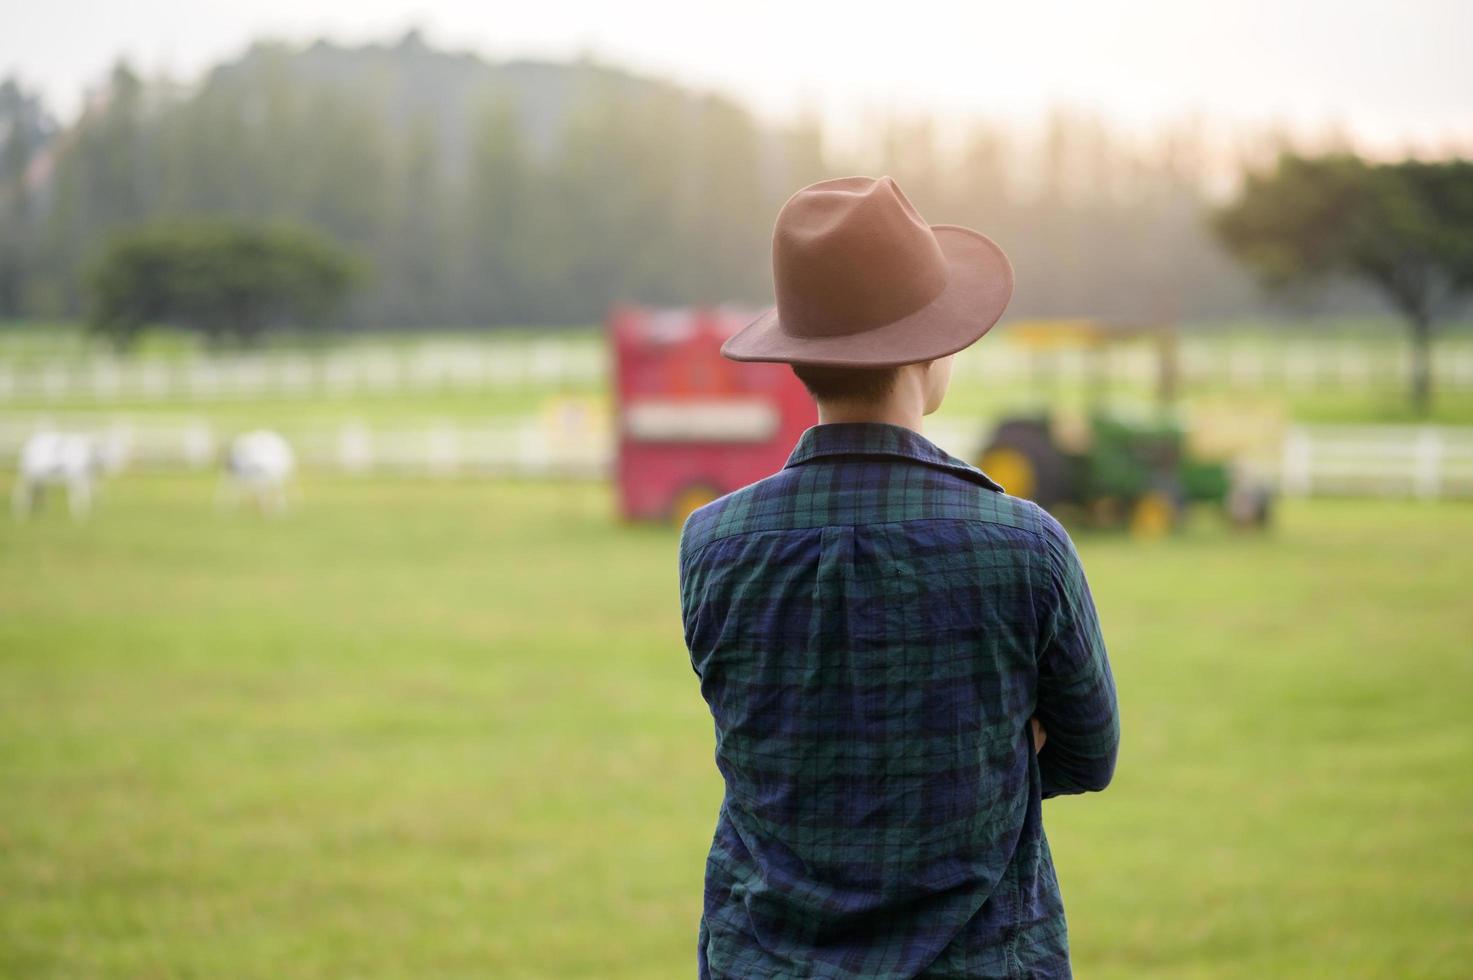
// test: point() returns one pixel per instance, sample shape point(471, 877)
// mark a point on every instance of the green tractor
point(1109, 468)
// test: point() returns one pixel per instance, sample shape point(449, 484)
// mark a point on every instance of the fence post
point(1301, 367)
point(1427, 475)
point(355, 447)
point(1296, 470)
point(442, 449)
point(1462, 368)
point(197, 445)
point(153, 378)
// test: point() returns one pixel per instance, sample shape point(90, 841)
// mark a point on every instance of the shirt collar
point(880, 439)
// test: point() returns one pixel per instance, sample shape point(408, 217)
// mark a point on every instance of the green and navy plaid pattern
point(873, 627)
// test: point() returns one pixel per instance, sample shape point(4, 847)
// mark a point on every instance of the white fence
point(1426, 462)
point(475, 364)
point(1403, 461)
point(1297, 365)
point(355, 370)
point(529, 447)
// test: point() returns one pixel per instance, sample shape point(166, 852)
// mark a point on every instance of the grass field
point(447, 729)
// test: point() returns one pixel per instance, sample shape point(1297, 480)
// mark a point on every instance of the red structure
point(691, 424)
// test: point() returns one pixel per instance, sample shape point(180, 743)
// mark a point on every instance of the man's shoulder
point(806, 497)
point(750, 508)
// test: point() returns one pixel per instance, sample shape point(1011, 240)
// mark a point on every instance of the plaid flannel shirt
point(873, 627)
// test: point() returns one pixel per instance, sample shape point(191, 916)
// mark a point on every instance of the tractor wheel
point(1157, 512)
point(1153, 515)
point(688, 501)
point(1023, 458)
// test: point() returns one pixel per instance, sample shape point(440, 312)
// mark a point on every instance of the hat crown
point(852, 254)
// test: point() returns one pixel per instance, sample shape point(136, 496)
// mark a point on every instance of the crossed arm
point(1076, 725)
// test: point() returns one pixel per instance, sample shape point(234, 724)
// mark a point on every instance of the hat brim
point(979, 284)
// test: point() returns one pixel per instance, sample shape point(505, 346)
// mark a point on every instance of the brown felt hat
point(863, 281)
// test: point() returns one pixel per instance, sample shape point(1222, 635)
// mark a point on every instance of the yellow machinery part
point(1011, 469)
point(688, 501)
point(1153, 516)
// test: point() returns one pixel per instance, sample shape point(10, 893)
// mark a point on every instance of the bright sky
point(1388, 71)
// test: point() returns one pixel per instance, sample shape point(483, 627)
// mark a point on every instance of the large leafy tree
point(223, 278)
point(1405, 228)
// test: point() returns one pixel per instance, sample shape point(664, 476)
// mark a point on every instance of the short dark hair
point(846, 384)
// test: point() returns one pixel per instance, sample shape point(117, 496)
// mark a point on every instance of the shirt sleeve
point(1076, 691)
point(689, 605)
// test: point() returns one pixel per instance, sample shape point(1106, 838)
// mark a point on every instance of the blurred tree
point(906, 149)
point(983, 174)
point(536, 192)
point(25, 130)
point(612, 213)
point(101, 182)
point(722, 217)
point(1406, 228)
point(223, 278)
point(799, 157)
point(496, 261)
point(414, 246)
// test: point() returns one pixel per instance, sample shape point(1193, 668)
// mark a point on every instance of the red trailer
point(691, 424)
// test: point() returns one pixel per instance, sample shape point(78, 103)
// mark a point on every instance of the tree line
point(472, 194)
point(477, 193)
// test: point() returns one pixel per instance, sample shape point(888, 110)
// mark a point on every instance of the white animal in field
point(259, 465)
point(59, 459)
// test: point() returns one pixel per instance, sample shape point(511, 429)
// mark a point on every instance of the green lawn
point(447, 729)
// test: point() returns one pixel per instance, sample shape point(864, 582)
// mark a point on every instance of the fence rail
point(468, 365)
point(1326, 365)
point(1427, 462)
point(502, 447)
point(429, 367)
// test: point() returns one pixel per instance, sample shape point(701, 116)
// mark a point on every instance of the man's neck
point(890, 412)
